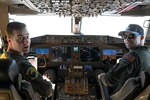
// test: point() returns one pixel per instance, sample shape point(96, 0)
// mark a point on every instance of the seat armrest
point(103, 88)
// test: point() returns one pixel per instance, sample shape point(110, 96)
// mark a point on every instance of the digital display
point(75, 49)
point(42, 50)
point(110, 56)
point(109, 52)
point(57, 52)
point(91, 54)
point(43, 56)
point(61, 53)
point(87, 54)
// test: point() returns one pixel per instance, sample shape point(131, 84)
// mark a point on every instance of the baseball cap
point(133, 29)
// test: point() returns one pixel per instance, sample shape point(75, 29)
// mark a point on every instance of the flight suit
point(29, 73)
point(130, 65)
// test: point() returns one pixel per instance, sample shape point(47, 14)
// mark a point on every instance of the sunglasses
point(131, 36)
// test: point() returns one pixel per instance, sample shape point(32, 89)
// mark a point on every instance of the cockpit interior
point(73, 62)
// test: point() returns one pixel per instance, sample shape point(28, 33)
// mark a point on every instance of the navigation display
point(61, 53)
point(42, 50)
point(76, 49)
point(91, 54)
point(110, 56)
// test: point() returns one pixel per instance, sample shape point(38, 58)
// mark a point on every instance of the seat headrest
point(8, 71)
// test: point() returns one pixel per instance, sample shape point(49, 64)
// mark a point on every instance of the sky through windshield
point(55, 25)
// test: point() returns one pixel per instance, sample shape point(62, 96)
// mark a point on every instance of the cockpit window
point(55, 25)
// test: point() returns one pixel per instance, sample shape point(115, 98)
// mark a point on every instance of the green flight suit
point(130, 65)
point(29, 73)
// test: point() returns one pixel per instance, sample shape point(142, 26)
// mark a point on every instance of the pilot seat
point(12, 87)
point(136, 88)
point(10, 80)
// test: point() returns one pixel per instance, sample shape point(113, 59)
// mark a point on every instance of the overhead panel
point(25, 3)
point(136, 9)
point(22, 7)
point(79, 8)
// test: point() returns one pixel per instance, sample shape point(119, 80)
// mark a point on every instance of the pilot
point(132, 63)
point(18, 44)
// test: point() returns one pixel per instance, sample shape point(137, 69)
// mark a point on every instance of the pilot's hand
point(46, 77)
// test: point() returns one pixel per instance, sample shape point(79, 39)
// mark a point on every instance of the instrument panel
point(73, 62)
point(77, 84)
point(80, 50)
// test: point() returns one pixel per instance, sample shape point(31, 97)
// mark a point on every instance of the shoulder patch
point(32, 73)
point(127, 58)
